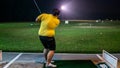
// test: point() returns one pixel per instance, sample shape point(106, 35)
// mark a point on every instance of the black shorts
point(48, 42)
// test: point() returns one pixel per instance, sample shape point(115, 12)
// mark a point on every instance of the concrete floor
point(35, 60)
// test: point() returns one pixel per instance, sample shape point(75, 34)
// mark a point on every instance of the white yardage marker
point(7, 65)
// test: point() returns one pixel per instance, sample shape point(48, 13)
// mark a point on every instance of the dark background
point(25, 10)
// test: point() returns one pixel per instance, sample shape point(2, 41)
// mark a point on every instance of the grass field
point(75, 37)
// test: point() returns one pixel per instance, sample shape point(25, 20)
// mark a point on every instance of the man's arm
point(38, 19)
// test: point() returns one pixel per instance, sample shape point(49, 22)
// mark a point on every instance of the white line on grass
point(7, 65)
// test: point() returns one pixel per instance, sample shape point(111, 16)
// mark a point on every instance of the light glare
point(63, 7)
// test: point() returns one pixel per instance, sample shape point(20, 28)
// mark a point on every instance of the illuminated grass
point(23, 37)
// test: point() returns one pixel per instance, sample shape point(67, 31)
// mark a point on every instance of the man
point(47, 32)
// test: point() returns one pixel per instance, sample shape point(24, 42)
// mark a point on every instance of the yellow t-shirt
point(48, 24)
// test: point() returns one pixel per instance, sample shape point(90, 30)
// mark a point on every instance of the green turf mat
point(74, 64)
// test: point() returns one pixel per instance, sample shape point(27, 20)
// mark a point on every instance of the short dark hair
point(55, 12)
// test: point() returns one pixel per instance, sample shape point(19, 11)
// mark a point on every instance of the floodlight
point(63, 7)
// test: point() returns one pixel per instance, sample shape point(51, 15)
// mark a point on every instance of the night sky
point(25, 10)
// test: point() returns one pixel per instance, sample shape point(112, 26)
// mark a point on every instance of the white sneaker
point(51, 62)
point(51, 66)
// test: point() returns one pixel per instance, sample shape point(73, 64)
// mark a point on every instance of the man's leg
point(45, 51)
point(50, 56)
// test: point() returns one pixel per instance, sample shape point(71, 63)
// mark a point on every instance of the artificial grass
point(74, 64)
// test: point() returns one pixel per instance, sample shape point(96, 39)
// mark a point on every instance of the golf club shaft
point(37, 6)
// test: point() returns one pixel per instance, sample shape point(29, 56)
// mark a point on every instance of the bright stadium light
point(63, 7)
point(66, 9)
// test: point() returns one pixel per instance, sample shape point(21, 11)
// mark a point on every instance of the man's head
point(56, 12)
